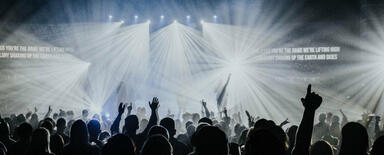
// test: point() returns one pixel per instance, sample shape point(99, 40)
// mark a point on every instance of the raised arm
point(207, 113)
point(115, 127)
point(129, 108)
point(251, 120)
point(154, 115)
point(344, 120)
point(284, 123)
point(311, 102)
point(48, 112)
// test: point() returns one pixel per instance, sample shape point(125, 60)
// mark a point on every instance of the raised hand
point(312, 101)
point(155, 104)
point(130, 107)
point(49, 109)
point(204, 103)
point(35, 110)
point(225, 112)
point(284, 123)
point(28, 115)
point(121, 108)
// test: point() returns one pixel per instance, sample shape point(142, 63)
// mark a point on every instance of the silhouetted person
point(34, 121)
point(84, 115)
point(321, 148)
point(57, 144)
point(47, 125)
point(60, 129)
point(158, 130)
point(354, 139)
point(5, 134)
point(94, 132)
point(53, 123)
point(23, 132)
point(291, 133)
point(119, 144)
point(78, 142)
point(378, 146)
point(206, 120)
point(263, 142)
point(335, 127)
point(104, 136)
point(311, 103)
point(132, 123)
point(234, 149)
point(156, 145)
point(40, 143)
point(237, 129)
point(178, 147)
point(321, 128)
point(243, 137)
point(210, 140)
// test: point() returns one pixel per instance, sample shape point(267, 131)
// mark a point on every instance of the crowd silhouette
point(193, 134)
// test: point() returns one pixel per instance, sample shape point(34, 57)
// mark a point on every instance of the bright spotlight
point(110, 16)
point(122, 21)
point(149, 21)
point(235, 66)
point(188, 17)
point(202, 21)
point(161, 17)
point(215, 16)
point(136, 16)
point(175, 21)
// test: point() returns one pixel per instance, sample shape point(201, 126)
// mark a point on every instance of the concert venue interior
point(255, 55)
point(220, 75)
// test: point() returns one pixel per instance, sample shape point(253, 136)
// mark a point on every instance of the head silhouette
point(104, 135)
point(206, 120)
point(24, 131)
point(156, 144)
point(210, 140)
point(40, 141)
point(47, 125)
point(191, 130)
point(377, 147)
point(85, 113)
point(354, 139)
point(243, 137)
point(131, 124)
point(79, 133)
point(322, 117)
point(169, 124)
point(321, 148)
point(61, 125)
point(94, 128)
point(234, 149)
point(335, 119)
point(292, 134)
point(158, 130)
point(57, 144)
point(263, 142)
point(4, 129)
point(195, 117)
point(119, 144)
point(188, 123)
